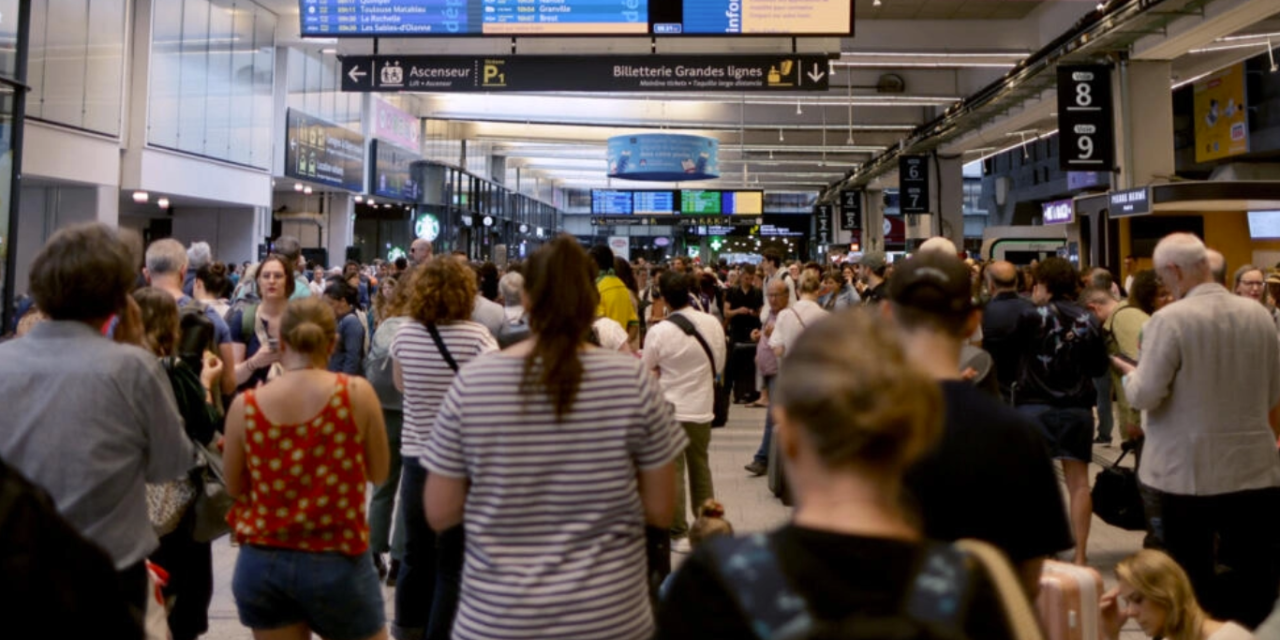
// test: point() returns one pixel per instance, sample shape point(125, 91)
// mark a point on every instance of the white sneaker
point(682, 546)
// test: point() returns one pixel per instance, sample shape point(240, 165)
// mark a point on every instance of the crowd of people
point(517, 450)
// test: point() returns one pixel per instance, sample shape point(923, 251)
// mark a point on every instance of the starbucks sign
point(427, 227)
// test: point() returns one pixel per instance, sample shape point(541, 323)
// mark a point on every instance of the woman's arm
point(233, 466)
point(657, 494)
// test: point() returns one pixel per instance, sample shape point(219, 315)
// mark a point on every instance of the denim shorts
point(337, 596)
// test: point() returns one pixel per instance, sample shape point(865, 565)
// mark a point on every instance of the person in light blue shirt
point(89, 420)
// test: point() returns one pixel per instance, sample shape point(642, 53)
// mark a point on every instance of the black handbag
point(1117, 498)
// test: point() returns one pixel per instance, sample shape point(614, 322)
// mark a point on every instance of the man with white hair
point(199, 255)
point(166, 263)
point(1217, 265)
point(938, 244)
point(1209, 380)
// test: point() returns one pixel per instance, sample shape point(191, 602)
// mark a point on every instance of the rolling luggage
point(1068, 602)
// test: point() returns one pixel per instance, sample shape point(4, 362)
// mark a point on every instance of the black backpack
point(934, 609)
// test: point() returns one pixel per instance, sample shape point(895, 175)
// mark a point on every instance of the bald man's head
point(420, 251)
point(1218, 266)
point(779, 294)
point(1002, 276)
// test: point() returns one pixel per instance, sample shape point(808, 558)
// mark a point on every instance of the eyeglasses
point(1252, 283)
point(271, 276)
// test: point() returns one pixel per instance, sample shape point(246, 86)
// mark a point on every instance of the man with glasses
point(778, 295)
point(1209, 380)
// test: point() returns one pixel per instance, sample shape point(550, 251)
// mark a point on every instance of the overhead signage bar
point(455, 18)
point(783, 72)
point(688, 202)
point(1131, 202)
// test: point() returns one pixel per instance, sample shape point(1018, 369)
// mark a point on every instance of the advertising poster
point(664, 157)
point(398, 127)
point(322, 152)
point(1222, 122)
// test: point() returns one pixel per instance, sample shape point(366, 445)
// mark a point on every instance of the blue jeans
point(762, 454)
point(335, 595)
point(382, 537)
point(1106, 422)
point(430, 578)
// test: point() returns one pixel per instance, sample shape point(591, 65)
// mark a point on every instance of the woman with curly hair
point(428, 350)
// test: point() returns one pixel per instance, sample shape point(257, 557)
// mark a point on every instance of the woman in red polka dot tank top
point(299, 453)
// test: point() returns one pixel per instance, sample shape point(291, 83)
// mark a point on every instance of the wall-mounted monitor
point(742, 202)
point(654, 203)
point(694, 202)
point(393, 172)
point(1264, 225)
point(454, 18)
point(322, 152)
point(611, 202)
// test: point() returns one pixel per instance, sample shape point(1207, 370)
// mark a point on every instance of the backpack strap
point(247, 317)
point(440, 346)
point(687, 327)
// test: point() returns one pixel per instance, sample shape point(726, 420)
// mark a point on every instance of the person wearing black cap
point(990, 476)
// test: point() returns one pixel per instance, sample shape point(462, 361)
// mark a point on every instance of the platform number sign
point(851, 210)
point(913, 184)
point(1084, 119)
point(822, 216)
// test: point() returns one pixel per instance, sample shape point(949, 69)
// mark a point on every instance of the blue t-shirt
point(348, 356)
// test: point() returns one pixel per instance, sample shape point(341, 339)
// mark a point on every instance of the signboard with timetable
point(1059, 212)
point(850, 210)
point(782, 72)
point(323, 152)
point(913, 184)
point(454, 18)
point(1084, 119)
point(1131, 202)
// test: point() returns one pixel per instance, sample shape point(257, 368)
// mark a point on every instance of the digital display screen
point(392, 172)
point(700, 202)
point(610, 202)
point(654, 202)
point(575, 17)
point(1264, 225)
point(742, 202)
point(323, 152)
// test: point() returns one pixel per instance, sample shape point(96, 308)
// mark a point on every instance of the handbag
point(719, 392)
point(212, 502)
point(167, 502)
point(1116, 496)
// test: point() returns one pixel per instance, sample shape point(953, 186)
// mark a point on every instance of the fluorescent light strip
point(1019, 145)
point(1249, 36)
point(926, 65)
point(450, 116)
point(938, 54)
point(1229, 47)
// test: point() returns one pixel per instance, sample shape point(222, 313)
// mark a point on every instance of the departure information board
point(411, 18)
point(742, 202)
point(649, 203)
point(699, 202)
point(610, 202)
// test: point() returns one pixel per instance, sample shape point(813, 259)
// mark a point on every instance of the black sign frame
point(851, 211)
point(466, 74)
point(1085, 125)
point(322, 142)
point(1129, 203)
point(913, 185)
point(822, 215)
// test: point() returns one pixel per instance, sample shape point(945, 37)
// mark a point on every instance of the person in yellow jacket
point(615, 298)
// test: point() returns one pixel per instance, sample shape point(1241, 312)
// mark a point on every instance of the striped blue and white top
point(555, 526)
point(427, 376)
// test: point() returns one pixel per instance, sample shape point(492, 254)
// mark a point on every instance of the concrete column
point(950, 199)
point(498, 169)
point(873, 221)
point(1144, 114)
point(340, 226)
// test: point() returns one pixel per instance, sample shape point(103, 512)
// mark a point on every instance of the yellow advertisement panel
point(1222, 122)
point(793, 16)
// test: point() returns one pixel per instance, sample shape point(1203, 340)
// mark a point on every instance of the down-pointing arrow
point(817, 75)
point(355, 74)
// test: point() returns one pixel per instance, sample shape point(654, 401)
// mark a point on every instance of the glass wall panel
point(35, 58)
point(75, 72)
point(8, 36)
point(65, 58)
point(212, 79)
point(104, 72)
point(315, 88)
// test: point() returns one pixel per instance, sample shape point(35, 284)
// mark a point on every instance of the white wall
point(44, 210)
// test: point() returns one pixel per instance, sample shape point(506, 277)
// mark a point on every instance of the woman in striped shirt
point(556, 455)
point(428, 351)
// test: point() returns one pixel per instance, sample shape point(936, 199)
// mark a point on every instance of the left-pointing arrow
point(355, 74)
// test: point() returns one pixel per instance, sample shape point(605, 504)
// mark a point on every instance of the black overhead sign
point(1131, 202)
point(1087, 141)
point(913, 184)
point(850, 210)
point(793, 72)
point(823, 213)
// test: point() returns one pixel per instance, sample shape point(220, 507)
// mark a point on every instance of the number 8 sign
point(1084, 119)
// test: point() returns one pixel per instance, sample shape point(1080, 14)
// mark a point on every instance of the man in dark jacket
point(1000, 323)
point(1062, 350)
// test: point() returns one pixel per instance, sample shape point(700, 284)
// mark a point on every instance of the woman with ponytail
point(555, 454)
point(299, 453)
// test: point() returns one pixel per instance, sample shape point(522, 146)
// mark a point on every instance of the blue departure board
point(610, 202)
point(400, 18)
point(650, 203)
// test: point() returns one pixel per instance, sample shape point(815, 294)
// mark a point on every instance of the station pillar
point(1144, 123)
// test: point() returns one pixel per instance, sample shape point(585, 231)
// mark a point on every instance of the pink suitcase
point(1068, 602)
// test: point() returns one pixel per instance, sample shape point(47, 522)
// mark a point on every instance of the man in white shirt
point(1209, 379)
point(798, 317)
point(687, 376)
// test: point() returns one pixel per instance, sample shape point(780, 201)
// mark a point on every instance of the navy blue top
point(251, 345)
point(348, 356)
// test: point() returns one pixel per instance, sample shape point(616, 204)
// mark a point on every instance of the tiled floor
point(749, 505)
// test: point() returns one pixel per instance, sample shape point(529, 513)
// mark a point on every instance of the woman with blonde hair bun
point(1157, 594)
point(299, 452)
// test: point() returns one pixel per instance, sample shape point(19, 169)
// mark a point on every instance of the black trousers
point(190, 567)
point(1229, 545)
point(741, 369)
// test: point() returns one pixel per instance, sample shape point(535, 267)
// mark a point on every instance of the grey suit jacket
point(1208, 374)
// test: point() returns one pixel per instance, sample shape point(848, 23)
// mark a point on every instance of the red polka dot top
point(307, 488)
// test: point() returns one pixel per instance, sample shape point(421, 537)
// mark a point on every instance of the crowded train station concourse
point(630, 319)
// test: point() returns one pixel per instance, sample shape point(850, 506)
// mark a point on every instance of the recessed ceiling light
point(140, 196)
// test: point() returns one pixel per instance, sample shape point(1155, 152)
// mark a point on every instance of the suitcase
point(1068, 602)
